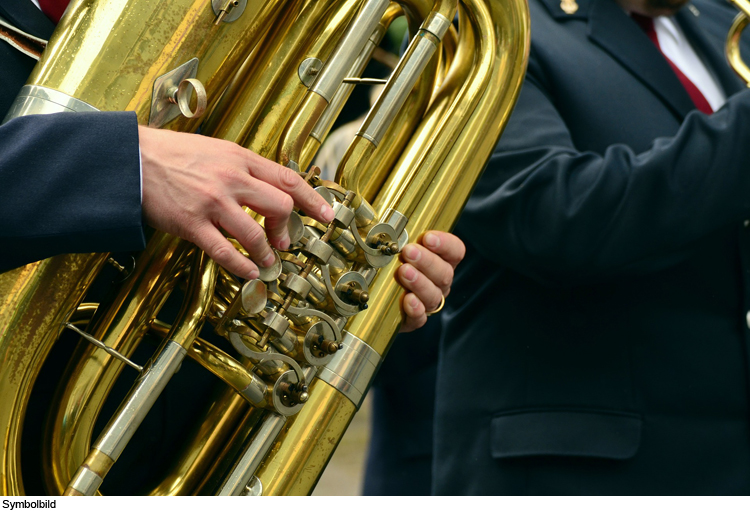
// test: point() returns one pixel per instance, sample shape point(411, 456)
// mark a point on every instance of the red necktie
point(54, 9)
point(647, 24)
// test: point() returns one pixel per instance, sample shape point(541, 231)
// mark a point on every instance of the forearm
point(70, 183)
point(564, 216)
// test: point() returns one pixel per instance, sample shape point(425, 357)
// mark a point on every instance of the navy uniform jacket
point(68, 182)
point(596, 338)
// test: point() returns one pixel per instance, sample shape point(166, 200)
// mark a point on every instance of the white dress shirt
point(676, 47)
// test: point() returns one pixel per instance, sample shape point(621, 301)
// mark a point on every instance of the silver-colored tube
point(352, 368)
point(436, 24)
point(253, 455)
point(131, 413)
point(255, 392)
point(348, 49)
point(403, 79)
point(38, 100)
point(329, 116)
point(393, 97)
point(86, 481)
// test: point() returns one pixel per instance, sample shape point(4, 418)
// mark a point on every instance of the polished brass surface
point(269, 86)
point(35, 300)
point(201, 450)
point(420, 152)
point(435, 196)
point(158, 37)
point(92, 376)
point(307, 444)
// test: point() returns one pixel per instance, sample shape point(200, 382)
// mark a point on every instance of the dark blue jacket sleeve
point(568, 217)
point(69, 183)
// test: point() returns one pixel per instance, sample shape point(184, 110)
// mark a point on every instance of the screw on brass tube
point(356, 295)
point(389, 248)
point(327, 347)
point(228, 6)
point(294, 394)
point(312, 175)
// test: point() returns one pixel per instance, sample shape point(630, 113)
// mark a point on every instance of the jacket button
point(746, 223)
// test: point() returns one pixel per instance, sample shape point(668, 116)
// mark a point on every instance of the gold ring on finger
point(442, 303)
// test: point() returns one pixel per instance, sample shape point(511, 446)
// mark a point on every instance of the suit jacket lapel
point(611, 28)
point(27, 17)
point(711, 56)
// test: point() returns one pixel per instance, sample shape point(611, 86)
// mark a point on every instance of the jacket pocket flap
point(610, 435)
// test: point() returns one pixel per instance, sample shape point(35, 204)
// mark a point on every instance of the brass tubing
point(83, 313)
point(329, 80)
point(414, 174)
point(327, 119)
point(261, 442)
point(223, 366)
point(440, 209)
point(226, 458)
point(269, 85)
point(295, 464)
point(90, 39)
point(732, 48)
point(151, 383)
point(306, 447)
point(91, 374)
point(382, 159)
point(416, 59)
point(126, 421)
point(97, 55)
point(299, 128)
point(349, 48)
point(267, 129)
point(201, 449)
point(742, 5)
point(25, 322)
point(449, 44)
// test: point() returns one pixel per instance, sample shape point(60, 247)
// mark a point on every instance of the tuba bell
point(296, 349)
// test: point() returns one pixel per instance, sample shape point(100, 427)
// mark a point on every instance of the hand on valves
point(194, 185)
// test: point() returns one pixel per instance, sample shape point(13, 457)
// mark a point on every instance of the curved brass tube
point(448, 120)
point(115, 436)
point(85, 60)
point(481, 131)
point(328, 81)
point(223, 366)
point(733, 47)
point(92, 373)
point(419, 57)
point(26, 326)
point(495, 79)
point(327, 119)
point(202, 448)
point(269, 85)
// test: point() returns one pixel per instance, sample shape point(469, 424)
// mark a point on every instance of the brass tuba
point(300, 345)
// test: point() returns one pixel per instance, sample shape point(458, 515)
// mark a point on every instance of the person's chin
point(663, 7)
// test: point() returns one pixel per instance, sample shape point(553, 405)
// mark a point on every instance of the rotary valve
point(288, 323)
